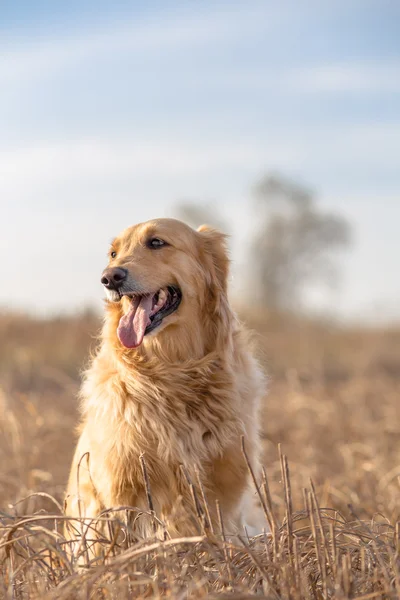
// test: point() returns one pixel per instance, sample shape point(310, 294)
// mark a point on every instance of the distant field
point(333, 405)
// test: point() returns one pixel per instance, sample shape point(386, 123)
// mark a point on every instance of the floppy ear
point(215, 249)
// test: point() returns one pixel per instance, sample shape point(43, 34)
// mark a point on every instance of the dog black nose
point(114, 277)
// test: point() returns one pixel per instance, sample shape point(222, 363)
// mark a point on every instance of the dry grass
point(333, 406)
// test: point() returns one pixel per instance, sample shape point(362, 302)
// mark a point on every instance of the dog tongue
point(132, 326)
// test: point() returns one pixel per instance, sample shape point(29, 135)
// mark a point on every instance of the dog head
point(165, 279)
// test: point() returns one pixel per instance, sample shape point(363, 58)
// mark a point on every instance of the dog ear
point(215, 248)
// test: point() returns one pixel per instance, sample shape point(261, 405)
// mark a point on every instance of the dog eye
point(155, 243)
point(113, 254)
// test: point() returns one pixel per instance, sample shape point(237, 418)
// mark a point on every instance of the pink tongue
point(132, 326)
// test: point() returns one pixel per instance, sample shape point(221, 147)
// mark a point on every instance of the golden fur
point(183, 397)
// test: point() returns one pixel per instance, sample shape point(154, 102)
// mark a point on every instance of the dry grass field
point(331, 492)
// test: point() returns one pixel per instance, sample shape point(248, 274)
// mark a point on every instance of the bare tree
point(276, 191)
point(296, 243)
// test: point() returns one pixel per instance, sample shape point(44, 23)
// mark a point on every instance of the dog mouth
point(146, 313)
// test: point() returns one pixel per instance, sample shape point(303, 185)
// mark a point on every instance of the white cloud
point(345, 78)
point(38, 57)
point(93, 160)
point(114, 158)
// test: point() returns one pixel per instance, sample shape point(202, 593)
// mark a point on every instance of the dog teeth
point(162, 297)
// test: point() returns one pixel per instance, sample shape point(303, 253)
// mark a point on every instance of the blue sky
point(110, 113)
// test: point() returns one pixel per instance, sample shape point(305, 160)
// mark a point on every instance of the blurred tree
point(295, 244)
point(200, 214)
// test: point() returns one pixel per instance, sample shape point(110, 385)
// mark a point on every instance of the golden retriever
point(174, 379)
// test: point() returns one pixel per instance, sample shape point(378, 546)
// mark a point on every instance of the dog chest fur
point(175, 416)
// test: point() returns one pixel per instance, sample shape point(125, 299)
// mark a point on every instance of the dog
point(172, 389)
